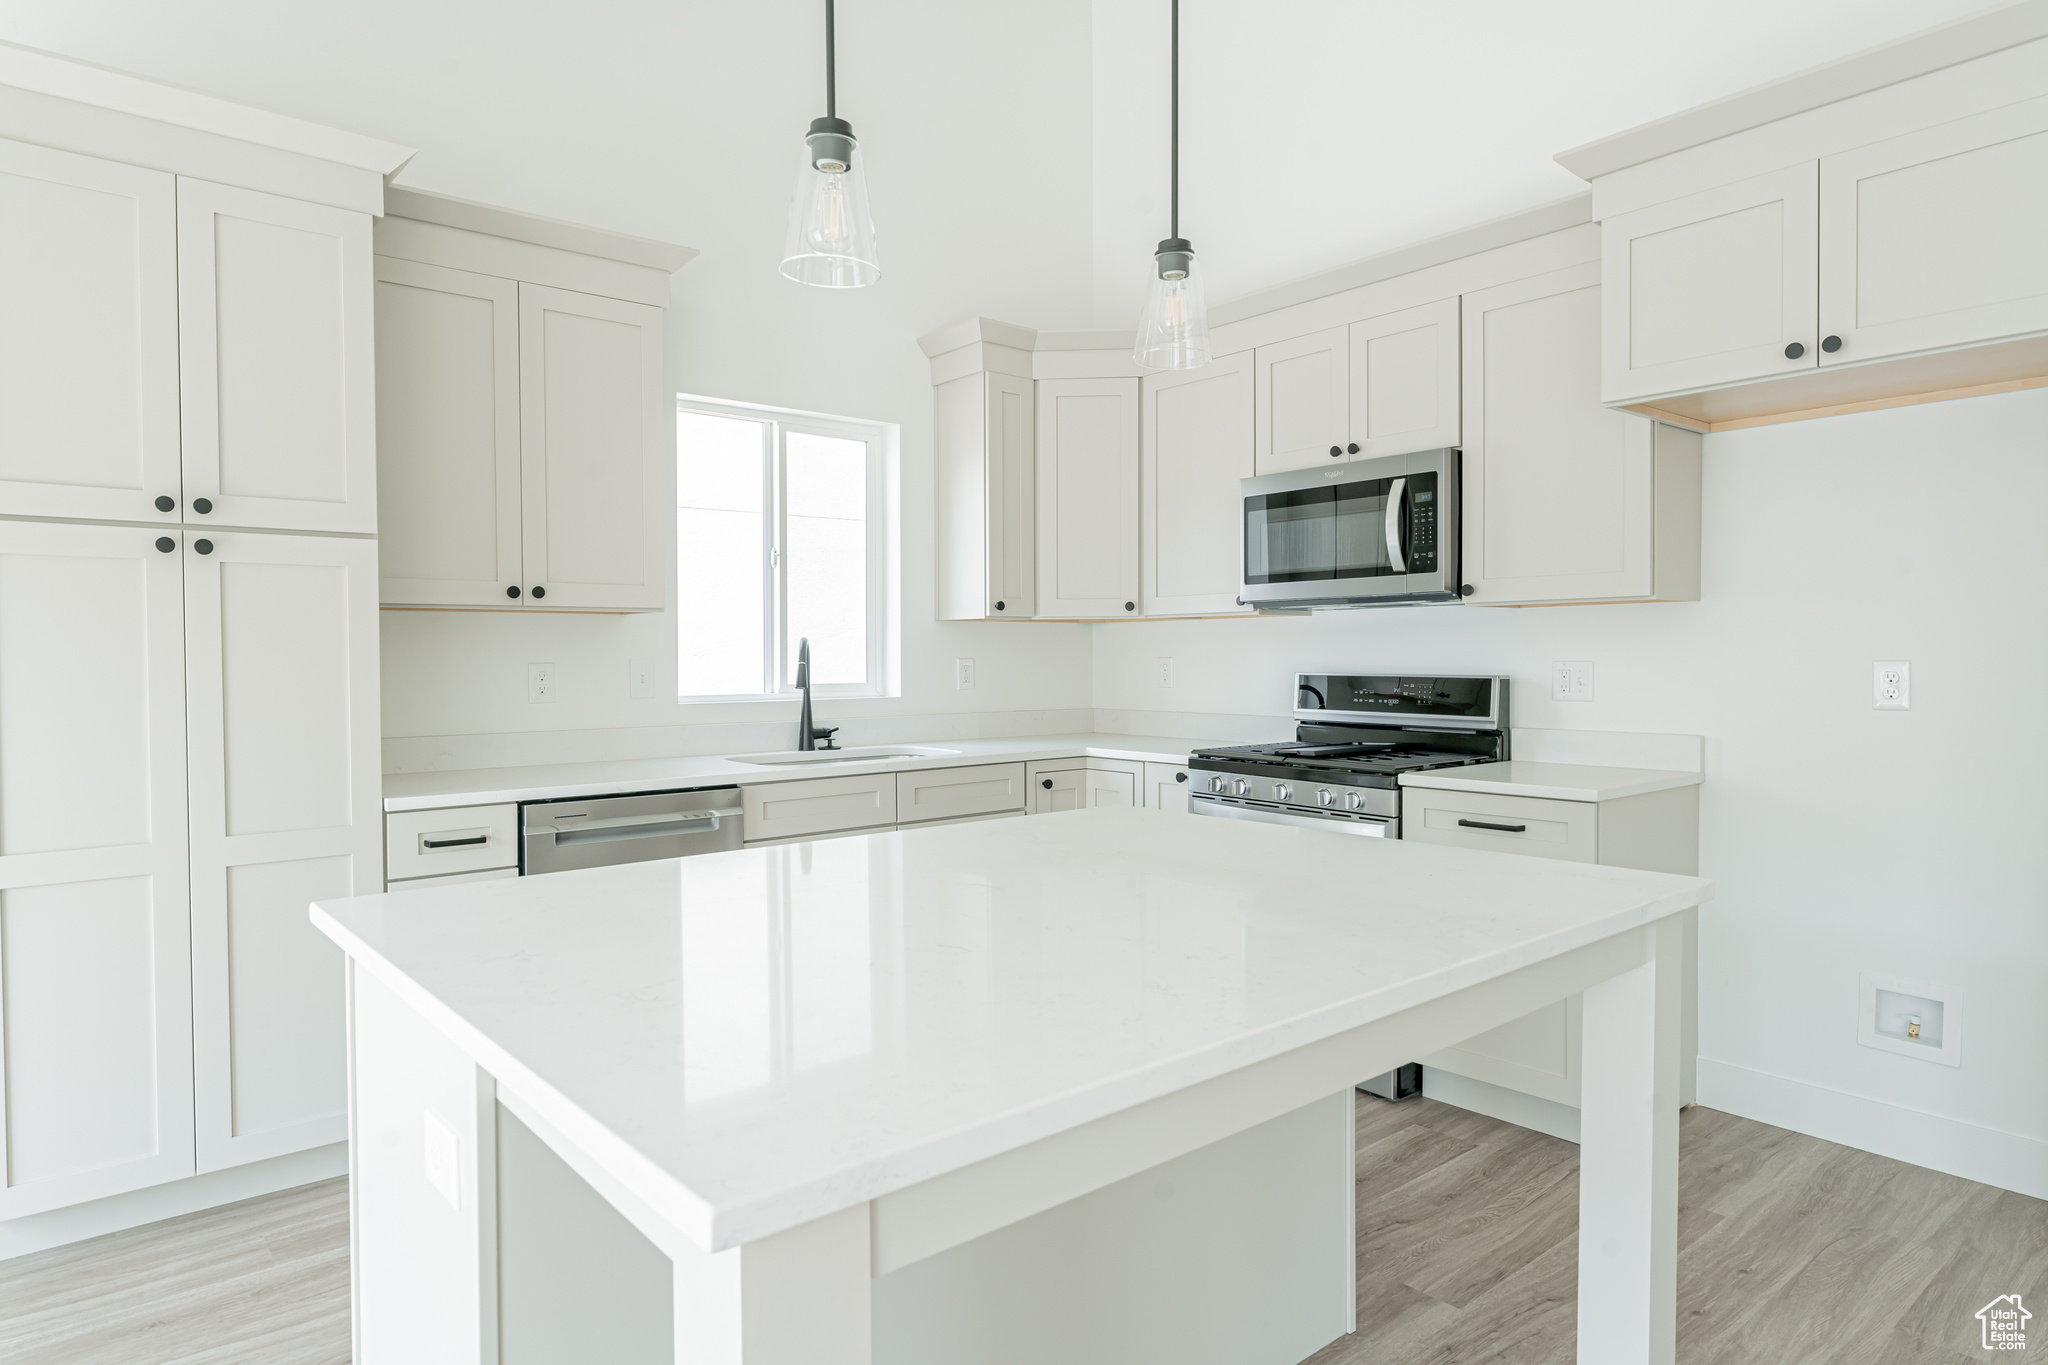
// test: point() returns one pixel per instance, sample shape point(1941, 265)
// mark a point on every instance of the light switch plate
point(1571, 681)
point(640, 675)
point(441, 1155)
point(1891, 685)
point(963, 674)
point(540, 684)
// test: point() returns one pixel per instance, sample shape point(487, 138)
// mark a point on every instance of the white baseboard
point(1989, 1156)
point(1499, 1102)
point(60, 1227)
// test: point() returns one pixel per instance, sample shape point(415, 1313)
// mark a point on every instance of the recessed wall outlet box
point(963, 674)
point(540, 684)
point(1911, 1018)
point(1571, 681)
point(1165, 677)
point(1891, 685)
point(640, 675)
point(441, 1155)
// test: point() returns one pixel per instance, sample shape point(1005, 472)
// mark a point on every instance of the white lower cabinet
point(1166, 786)
point(959, 793)
point(1538, 1054)
point(821, 805)
point(1082, 784)
point(451, 840)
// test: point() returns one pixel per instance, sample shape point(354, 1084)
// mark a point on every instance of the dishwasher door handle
point(639, 827)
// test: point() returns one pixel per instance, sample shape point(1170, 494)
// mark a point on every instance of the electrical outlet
point(640, 677)
point(1165, 676)
point(1571, 681)
point(540, 684)
point(1891, 685)
point(963, 674)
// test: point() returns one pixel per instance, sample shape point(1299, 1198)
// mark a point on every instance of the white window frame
point(778, 660)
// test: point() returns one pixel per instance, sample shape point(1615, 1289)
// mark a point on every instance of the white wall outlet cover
point(963, 674)
point(1571, 680)
point(1891, 685)
point(441, 1155)
point(1883, 1005)
point(640, 677)
point(540, 684)
point(1164, 676)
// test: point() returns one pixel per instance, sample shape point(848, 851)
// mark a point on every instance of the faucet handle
point(825, 733)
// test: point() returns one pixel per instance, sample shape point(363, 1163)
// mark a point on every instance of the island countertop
point(750, 1040)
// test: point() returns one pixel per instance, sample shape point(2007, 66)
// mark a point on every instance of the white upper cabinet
point(1937, 238)
point(1196, 432)
point(1087, 497)
point(987, 491)
point(447, 435)
point(1404, 381)
point(285, 810)
point(1301, 401)
point(1712, 288)
point(595, 427)
point(88, 338)
point(277, 361)
point(1566, 500)
point(95, 1022)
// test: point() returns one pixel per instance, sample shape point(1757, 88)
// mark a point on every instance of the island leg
point(800, 1297)
point(1628, 1159)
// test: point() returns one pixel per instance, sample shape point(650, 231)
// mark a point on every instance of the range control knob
point(1282, 792)
point(1325, 797)
point(1215, 784)
point(1354, 801)
point(1241, 787)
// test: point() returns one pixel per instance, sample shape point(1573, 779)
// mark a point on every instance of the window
point(779, 538)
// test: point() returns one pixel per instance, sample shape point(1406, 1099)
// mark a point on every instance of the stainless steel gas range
point(1355, 734)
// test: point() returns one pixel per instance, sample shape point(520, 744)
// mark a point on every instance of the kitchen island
point(1075, 1087)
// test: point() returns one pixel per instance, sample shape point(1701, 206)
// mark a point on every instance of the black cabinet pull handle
point(512, 591)
point(1795, 350)
point(204, 547)
point(539, 591)
point(1831, 344)
point(165, 504)
point(455, 843)
point(1046, 783)
point(202, 506)
point(1180, 777)
point(166, 544)
point(1504, 829)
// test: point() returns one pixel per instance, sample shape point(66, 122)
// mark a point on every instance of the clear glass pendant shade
point(1173, 331)
point(831, 240)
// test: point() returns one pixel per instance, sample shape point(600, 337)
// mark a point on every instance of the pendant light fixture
point(1173, 332)
point(831, 239)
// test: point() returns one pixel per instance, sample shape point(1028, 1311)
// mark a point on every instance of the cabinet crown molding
point(403, 201)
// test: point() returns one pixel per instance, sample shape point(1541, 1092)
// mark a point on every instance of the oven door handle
point(1395, 492)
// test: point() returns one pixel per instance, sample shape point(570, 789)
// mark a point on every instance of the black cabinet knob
point(539, 591)
point(1464, 590)
point(1180, 777)
point(1351, 449)
point(1831, 344)
point(204, 547)
point(166, 544)
point(1335, 451)
point(512, 591)
point(1794, 350)
point(999, 606)
point(165, 504)
point(1130, 606)
point(202, 505)
point(1046, 783)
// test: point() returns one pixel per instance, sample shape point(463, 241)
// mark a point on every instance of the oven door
point(1335, 822)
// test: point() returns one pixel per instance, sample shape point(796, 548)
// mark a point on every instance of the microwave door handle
point(1395, 492)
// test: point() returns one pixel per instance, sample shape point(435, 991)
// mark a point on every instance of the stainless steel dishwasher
point(557, 836)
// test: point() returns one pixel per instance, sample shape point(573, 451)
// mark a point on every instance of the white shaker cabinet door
point(1404, 381)
point(88, 338)
point(1711, 289)
point(275, 307)
point(281, 641)
point(1088, 497)
point(1166, 787)
point(447, 436)
point(95, 986)
point(1196, 434)
point(596, 428)
point(1938, 238)
point(1300, 400)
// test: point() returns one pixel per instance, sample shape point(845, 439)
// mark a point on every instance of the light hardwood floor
point(1791, 1250)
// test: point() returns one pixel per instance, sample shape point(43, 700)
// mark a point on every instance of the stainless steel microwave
point(1365, 533)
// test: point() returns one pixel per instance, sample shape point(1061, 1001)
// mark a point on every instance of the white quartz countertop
point(1558, 781)
point(489, 786)
point(753, 1039)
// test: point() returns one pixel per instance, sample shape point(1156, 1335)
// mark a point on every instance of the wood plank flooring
point(1790, 1250)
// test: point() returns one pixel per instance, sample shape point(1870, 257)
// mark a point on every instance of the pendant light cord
point(831, 85)
point(1176, 112)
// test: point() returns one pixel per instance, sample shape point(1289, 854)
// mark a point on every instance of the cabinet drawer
point(788, 810)
point(453, 879)
point(1504, 824)
point(947, 793)
point(431, 843)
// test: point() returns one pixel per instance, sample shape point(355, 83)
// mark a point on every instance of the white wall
point(1841, 839)
point(683, 121)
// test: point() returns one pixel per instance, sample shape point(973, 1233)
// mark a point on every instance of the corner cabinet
point(525, 429)
point(1566, 500)
point(1088, 497)
point(987, 490)
point(1196, 434)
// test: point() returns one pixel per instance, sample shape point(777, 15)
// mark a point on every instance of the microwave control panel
point(1422, 523)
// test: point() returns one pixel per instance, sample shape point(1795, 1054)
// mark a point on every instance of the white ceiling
point(1317, 132)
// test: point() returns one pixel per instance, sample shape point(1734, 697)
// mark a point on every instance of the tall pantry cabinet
point(188, 631)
